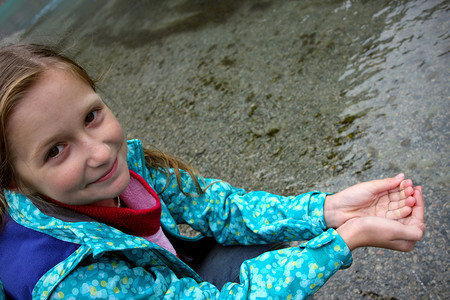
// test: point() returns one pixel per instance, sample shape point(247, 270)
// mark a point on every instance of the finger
point(393, 205)
point(406, 188)
point(398, 237)
point(400, 195)
point(387, 184)
point(418, 210)
point(406, 183)
point(399, 213)
point(394, 230)
point(404, 246)
point(410, 201)
point(403, 191)
point(407, 232)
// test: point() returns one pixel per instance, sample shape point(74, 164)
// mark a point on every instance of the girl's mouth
point(108, 174)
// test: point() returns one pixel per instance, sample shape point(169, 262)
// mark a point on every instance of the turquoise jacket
point(103, 262)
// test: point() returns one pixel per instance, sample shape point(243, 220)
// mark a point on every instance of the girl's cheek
point(119, 131)
point(67, 180)
point(114, 129)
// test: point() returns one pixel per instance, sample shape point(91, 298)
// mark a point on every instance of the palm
point(391, 198)
point(391, 204)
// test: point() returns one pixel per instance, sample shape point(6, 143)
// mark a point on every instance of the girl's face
point(66, 144)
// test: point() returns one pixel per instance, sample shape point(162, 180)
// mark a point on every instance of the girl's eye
point(90, 117)
point(55, 151)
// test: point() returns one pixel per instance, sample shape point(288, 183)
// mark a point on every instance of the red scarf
point(142, 222)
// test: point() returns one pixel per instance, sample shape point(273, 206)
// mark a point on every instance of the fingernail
point(399, 176)
point(422, 227)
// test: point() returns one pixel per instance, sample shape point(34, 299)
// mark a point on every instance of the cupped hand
point(381, 233)
point(373, 231)
point(391, 198)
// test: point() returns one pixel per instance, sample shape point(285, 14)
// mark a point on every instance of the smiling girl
point(79, 154)
point(88, 214)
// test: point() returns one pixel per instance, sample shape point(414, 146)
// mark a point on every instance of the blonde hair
point(20, 68)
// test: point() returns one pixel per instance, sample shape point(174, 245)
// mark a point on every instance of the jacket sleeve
point(2, 291)
point(292, 273)
point(234, 216)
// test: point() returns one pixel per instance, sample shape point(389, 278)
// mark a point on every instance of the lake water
point(285, 96)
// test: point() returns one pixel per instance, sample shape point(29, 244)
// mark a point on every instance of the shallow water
point(285, 96)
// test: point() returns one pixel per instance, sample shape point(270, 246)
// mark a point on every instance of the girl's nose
point(98, 154)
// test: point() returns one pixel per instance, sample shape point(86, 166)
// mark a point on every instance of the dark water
point(285, 96)
point(17, 15)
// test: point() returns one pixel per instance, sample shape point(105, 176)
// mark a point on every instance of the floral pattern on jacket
point(111, 264)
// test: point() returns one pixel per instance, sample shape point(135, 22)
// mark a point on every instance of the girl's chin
point(106, 203)
point(116, 187)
